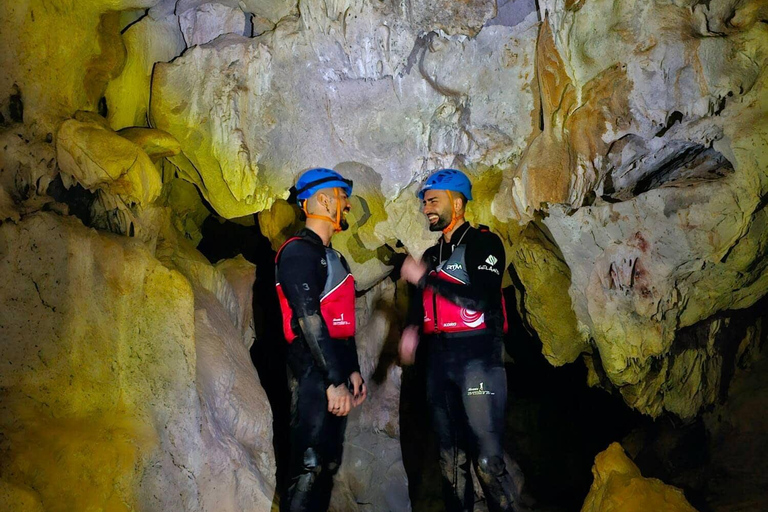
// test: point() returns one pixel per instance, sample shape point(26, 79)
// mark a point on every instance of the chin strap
point(454, 218)
point(337, 222)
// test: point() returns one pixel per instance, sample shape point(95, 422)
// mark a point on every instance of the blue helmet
point(448, 179)
point(319, 178)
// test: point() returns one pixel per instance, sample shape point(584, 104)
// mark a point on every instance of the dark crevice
point(674, 117)
point(77, 198)
point(16, 106)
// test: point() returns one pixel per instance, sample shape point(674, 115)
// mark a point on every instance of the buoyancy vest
point(337, 300)
point(443, 315)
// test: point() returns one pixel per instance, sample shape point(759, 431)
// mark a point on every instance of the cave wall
point(619, 149)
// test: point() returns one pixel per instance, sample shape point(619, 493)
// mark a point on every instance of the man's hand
point(359, 389)
point(339, 400)
point(412, 270)
point(409, 340)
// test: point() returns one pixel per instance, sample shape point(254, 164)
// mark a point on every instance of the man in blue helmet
point(458, 310)
point(317, 300)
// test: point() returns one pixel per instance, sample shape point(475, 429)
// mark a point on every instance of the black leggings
point(317, 441)
point(467, 393)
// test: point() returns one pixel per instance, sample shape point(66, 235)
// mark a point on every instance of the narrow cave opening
point(555, 423)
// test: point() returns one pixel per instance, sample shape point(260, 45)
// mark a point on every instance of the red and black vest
point(443, 315)
point(337, 301)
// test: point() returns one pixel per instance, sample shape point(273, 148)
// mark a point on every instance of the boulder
point(619, 486)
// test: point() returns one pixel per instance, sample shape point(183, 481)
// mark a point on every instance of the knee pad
point(311, 462)
point(309, 471)
point(493, 466)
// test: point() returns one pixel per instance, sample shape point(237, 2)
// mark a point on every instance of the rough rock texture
point(102, 356)
point(98, 158)
point(657, 151)
point(254, 132)
point(58, 57)
point(618, 485)
point(154, 38)
point(619, 149)
point(208, 21)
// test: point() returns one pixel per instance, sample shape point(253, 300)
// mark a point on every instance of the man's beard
point(343, 224)
point(442, 222)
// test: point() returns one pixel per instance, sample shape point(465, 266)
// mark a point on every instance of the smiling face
point(437, 206)
point(327, 199)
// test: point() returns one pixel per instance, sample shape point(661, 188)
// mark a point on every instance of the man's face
point(344, 205)
point(437, 207)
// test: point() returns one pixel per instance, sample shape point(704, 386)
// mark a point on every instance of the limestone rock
point(149, 40)
point(618, 485)
point(156, 144)
point(208, 21)
point(188, 210)
point(15, 497)
point(538, 264)
point(82, 51)
point(279, 222)
point(100, 159)
point(112, 384)
point(8, 209)
point(662, 195)
point(372, 95)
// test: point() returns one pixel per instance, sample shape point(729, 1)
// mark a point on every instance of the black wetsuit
point(316, 361)
point(466, 379)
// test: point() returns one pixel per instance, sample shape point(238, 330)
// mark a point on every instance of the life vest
point(337, 301)
point(443, 315)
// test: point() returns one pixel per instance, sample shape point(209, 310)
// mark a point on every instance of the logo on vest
point(340, 320)
point(479, 390)
point(454, 266)
point(472, 318)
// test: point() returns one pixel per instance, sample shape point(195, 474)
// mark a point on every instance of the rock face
point(618, 148)
point(662, 223)
point(619, 485)
point(105, 352)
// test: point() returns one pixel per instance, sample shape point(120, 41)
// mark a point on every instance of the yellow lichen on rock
point(99, 158)
point(618, 486)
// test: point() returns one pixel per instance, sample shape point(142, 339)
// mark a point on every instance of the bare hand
point(409, 341)
point(412, 270)
point(359, 389)
point(339, 400)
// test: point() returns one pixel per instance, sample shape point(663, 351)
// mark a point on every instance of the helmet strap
point(454, 218)
point(336, 222)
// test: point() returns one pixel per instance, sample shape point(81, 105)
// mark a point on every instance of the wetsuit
point(316, 361)
point(466, 380)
